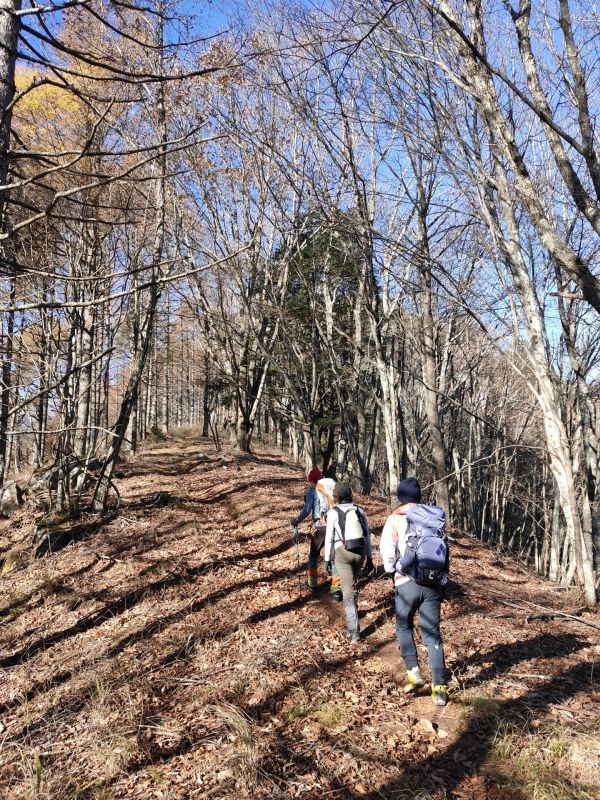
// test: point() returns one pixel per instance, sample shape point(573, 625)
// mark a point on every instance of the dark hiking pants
point(316, 545)
point(409, 598)
point(317, 542)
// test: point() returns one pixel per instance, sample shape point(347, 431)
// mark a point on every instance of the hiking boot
point(312, 583)
point(354, 636)
point(414, 679)
point(337, 596)
point(439, 695)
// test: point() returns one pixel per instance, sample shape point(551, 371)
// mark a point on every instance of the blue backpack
point(426, 556)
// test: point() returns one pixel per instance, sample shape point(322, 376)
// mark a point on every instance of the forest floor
point(174, 652)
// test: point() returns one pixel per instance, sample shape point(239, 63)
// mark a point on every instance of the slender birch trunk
point(9, 34)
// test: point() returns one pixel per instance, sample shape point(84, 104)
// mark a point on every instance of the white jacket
point(333, 533)
point(393, 544)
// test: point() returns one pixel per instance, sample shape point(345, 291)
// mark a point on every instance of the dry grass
point(112, 741)
point(547, 761)
point(476, 699)
point(26, 765)
point(330, 715)
point(114, 724)
point(243, 756)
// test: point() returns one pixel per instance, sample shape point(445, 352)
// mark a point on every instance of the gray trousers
point(348, 566)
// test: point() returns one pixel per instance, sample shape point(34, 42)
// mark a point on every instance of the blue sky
point(210, 15)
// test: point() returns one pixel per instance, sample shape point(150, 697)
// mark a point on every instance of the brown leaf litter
point(176, 653)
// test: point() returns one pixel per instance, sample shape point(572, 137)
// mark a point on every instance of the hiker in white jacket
point(410, 597)
point(348, 544)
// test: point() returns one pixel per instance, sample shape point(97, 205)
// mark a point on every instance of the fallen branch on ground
point(548, 613)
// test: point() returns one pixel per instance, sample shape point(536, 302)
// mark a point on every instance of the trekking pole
point(295, 535)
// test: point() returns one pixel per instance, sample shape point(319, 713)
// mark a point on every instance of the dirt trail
point(177, 654)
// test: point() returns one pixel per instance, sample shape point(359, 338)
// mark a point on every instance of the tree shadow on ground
point(68, 533)
point(504, 656)
point(467, 755)
point(163, 499)
point(283, 758)
point(117, 606)
point(187, 463)
point(166, 466)
point(457, 608)
point(377, 623)
point(491, 579)
point(268, 460)
point(256, 713)
point(197, 605)
point(149, 630)
point(463, 758)
point(156, 626)
point(25, 599)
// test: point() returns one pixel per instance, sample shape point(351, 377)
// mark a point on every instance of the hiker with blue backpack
point(347, 548)
point(317, 502)
point(414, 549)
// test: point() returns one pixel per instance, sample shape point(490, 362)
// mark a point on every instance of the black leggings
point(317, 541)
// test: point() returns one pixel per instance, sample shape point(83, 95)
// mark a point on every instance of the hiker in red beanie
point(317, 502)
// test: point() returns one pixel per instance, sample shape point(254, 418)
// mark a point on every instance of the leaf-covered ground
point(175, 653)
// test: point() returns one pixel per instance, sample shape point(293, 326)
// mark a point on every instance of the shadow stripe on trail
point(147, 632)
point(467, 755)
point(160, 624)
point(223, 494)
point(257, 712)
point(125, 603)
point(503, 657)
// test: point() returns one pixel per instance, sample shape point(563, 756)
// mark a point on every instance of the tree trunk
point(130, 397)
point(438, 454)
point(10, 24)
point(9, 32)
point(5, 388)
point(131, 394)
point(84, 384)
point(243, 435)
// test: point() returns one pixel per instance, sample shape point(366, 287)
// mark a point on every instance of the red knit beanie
point(315, 475)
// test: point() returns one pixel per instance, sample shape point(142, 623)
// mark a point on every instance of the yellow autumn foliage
point(45, 116)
